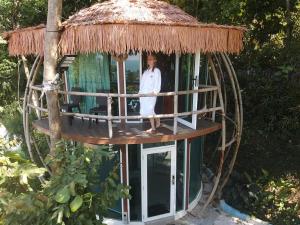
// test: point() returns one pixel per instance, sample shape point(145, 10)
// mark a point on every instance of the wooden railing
point(109, 117)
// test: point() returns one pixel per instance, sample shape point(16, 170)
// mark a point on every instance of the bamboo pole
point(219, 172)
point(213, 117)
point(238, 117)
point(102, 117)
point(40, 155)
point(25, 109)
point(93, 94)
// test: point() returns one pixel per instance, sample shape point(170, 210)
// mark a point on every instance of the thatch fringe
point(26, 41)
point(122, 38)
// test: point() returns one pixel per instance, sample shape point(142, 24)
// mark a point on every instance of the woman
point(150, 84)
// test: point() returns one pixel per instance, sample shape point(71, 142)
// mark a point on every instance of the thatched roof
point(132, 12)
point(118, 26)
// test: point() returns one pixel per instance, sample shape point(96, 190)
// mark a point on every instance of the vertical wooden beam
point(50, 64)
point(122, 89)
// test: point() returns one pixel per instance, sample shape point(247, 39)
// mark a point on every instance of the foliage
point(270, 143)
point(11, 118)
point(270, 198)
point(67, 197)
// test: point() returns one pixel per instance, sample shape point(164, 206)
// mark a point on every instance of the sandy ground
point(212, 215)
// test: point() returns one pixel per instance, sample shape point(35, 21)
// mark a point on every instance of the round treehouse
point(103, 51)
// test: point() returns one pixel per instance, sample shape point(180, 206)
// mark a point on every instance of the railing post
point(109, 115)
point(213, 116)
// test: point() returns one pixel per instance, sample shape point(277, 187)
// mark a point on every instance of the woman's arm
point(157, 83)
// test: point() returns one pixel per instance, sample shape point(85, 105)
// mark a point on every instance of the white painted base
point(178, 215)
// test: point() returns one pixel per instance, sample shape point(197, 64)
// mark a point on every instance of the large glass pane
point(166, 65)
point(186, 80)
point(159, 175)
point(134, 161)
point(114, 84)
point(196, 162)
point(132, 72)
point(89, 72)
point(180, 175)
point(203, 98)
point(109, 162)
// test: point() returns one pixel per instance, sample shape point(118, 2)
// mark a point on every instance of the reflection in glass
point(109, 162)
point(132, 72)
point(134, 162)
point(180, 177)
point(186, 75)
point(196, 162)
point(159, 175)
point(204, 97)
point(114, 85)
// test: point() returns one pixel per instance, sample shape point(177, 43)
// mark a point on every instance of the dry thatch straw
point(26, 41)
point(119, 26)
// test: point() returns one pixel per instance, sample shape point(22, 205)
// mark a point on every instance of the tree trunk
point(50, 63)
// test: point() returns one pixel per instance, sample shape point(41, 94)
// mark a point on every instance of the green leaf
point(63, 195)
point(76, 203)
point(72, 188)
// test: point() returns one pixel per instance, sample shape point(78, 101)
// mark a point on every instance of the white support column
point(176, 95)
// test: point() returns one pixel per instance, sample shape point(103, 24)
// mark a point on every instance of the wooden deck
point(131, 133)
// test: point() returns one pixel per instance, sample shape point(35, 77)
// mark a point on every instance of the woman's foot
point(157, 123)
point(151, 131)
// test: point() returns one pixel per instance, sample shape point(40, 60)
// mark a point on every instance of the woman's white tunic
point(150, 83)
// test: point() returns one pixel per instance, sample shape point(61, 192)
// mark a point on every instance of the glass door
point(158, 182)
point(188, 79)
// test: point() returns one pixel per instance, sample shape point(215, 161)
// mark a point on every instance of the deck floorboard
point(131, 133)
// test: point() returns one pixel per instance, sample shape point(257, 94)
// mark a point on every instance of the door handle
point(173, 179)
point(195, 81)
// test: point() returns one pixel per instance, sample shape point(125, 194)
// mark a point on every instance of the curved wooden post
point(32, 73)
point(223, 142)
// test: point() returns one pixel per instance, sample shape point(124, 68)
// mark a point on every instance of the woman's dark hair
point(155, 57)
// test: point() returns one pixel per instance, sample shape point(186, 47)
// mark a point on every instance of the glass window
point(180, 175)
point(158, 183)
point(90, 73)
point(196, 162)
point(134, 162)
point(113, 71)
point(166, 65)
point(132, 73)
point(204, 80)
point(186, 79)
